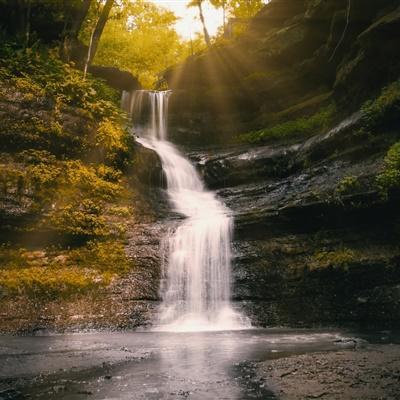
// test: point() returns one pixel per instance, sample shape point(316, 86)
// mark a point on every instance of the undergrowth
point(64, 157)
point(54, 272)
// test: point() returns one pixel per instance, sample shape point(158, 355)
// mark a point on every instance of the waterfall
point(197, 290)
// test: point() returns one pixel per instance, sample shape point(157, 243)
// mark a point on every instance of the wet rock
point(301, 244)
point(120, 80)
point(147, 167)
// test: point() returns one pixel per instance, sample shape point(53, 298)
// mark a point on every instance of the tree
point(79, 17)
point(73, 27)
point(98, 30)
point(221, 4)
point(198, 4)
point(140, 37)
point(238, 11)
point(244, 8)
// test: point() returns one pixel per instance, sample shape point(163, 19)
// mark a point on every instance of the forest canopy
point(138, 36)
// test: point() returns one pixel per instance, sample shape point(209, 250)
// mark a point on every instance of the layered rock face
point(316, 239)
point(315, 242)
point(296, 57)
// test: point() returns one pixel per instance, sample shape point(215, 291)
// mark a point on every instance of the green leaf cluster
point(389, 179)
point(38, 72)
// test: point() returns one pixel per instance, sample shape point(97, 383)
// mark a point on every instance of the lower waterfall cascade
point(197, 273)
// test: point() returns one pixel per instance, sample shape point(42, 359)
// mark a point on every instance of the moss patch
point(384, 110)
point(337, 258)
point(389, 179)
point(53, 272)
point(299, 128)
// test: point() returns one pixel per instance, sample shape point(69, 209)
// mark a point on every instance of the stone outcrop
point(310, 250)
point(315, 241)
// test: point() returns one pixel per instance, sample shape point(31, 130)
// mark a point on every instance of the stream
point(150, 365)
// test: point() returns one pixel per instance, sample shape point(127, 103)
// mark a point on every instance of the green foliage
point(301, 127)
point(111, 137)
point(62, 160)
point(389, 179)
point(30, 90)
point(243, 9)
point(140, 37)
point(54, 273)
point(97, 183)
point(384, 110)
point(347, 185)
point(48, 282)
point(38, 72)
point(80, 199)
point(239, 12)
point(82, 218)
point(108, 256)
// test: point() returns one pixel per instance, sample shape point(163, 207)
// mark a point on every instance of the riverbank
point(372, 372)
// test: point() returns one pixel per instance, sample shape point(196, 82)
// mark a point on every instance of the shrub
point(82, 218)
point(40, 71)
point(91, 181)
point(49, 282)
point(383, 110)
point(347, 185)
point(103, 256)
point(110, 136)
point(389, 178)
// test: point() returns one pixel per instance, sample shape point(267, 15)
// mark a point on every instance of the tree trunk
point(72, 29)
point(206, 35)
point(224, 15)
point(28, 23)
point(98, 30)
point(20, 13)
point(79, 18)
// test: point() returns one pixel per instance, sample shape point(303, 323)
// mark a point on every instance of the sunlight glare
point(189, 24)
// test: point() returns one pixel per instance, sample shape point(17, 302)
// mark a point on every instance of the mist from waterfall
point(197, 273)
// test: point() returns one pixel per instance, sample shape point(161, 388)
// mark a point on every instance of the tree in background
point(97, 32)
point(238, 12)
point(198, 4)
point(73, 27)
point(29, 20)
point(221, 4)
point(140, 37)
point(244, 8)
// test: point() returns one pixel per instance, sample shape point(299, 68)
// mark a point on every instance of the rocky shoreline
point(371, 372)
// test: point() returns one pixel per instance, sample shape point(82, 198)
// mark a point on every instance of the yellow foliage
point(52, 272)
point(49, 280)
point(337, 258)
point(111, 136)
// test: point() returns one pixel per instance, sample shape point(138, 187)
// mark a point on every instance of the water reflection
point(151, 365)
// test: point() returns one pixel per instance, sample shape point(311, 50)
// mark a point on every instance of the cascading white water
point(197, 290)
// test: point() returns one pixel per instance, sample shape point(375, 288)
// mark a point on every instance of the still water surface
point(149, 365)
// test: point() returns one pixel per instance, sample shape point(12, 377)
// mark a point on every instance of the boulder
point(120, 80)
